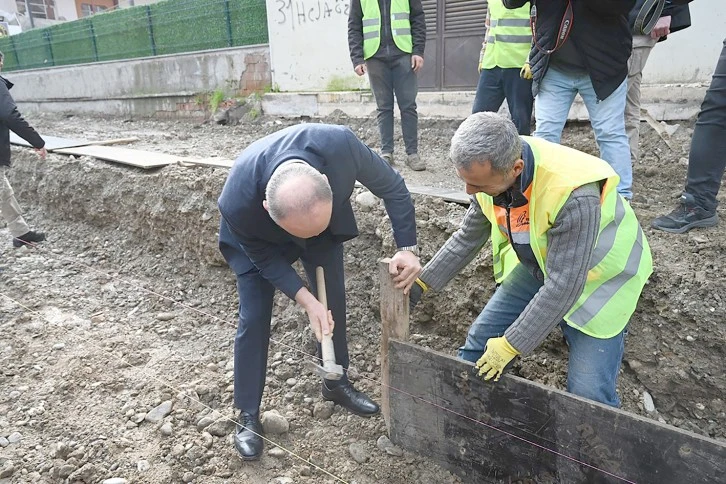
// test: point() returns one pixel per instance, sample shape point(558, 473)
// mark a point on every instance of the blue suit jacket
point(249, 238)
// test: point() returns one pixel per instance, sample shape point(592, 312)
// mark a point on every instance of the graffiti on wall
point(297, 14)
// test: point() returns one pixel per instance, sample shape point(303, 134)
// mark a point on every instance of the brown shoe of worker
point(388, 157)
point(415, 162)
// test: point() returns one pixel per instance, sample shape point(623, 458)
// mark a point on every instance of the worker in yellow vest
point(567, 250)
point(504, 52)
point(387, 39)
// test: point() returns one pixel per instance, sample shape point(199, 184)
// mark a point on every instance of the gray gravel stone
point(143, 465)
point(4, 442)
point(323, 410)
point(277, 453)
point(157, 414)
point(273, 423)
point(15, 437)
point(221, 427)
point(166, 429)
point(115, 480)
point(359, 452)
point(165, 316)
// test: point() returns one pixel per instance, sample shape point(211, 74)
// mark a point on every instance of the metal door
point(454, 33)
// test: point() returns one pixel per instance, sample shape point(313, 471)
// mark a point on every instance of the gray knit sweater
point(570, 243)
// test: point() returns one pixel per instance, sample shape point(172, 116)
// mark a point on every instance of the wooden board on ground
point(500, 432)
point(444, 193)
point(213, 162)
point(127, 156)
point(52, 143)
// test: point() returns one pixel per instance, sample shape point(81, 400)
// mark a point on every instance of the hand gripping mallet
point(330, 369)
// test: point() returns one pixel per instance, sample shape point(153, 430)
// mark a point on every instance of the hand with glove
point(497, 356)
point(526, 71)
point(417, 290)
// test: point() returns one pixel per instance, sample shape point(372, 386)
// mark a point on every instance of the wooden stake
point(394, 324)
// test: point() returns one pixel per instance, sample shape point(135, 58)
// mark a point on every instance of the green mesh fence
point(167, 27)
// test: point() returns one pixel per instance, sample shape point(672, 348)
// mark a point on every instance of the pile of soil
point(117, 333)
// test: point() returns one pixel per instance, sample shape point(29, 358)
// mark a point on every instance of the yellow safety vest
point(400, 26)
point(621, 260)
point(509, 37)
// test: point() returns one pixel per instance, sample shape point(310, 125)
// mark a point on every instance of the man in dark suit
point(287, 198)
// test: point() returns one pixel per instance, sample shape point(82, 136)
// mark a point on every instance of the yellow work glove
point(526, 71)
point(497, 356)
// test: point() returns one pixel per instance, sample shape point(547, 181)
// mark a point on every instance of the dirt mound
point(93, 352)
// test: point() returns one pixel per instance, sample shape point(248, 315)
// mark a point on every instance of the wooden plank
point(127, 156)
point(444, 193)
point(517, 429)
point(394, 324)
point(115, 141)
point(52, 143)
point(212, 162)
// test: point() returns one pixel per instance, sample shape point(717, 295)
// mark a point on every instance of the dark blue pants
point(495, 85)
point(255, 312)
point(389, 77)
point(707, 159)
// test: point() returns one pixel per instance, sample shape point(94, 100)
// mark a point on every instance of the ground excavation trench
point(115, 232)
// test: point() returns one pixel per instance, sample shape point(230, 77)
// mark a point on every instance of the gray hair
point(486, 137)
point(282, 204)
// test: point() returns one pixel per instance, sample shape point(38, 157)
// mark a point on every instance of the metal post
point(93, 40)
point(228, 17)
point(30, 14)
point(49, 43)
point(151, 30)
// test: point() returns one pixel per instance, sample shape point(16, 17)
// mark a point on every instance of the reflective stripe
point(371, 35)
point(514, 39)
point(606, 241)
point(498, 275)
point(491, 39)
point(521, 238)
point(503, 229)
point(401, 16)
point(509, 22)
point(401, 31)
point(370, 22)
point(603, 294)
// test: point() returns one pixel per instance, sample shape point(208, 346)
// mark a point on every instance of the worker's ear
point(264, 204)
point(518, 167)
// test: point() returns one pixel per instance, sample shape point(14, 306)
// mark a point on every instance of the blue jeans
point(557, 90)
point(594, 363)
point(495, 85)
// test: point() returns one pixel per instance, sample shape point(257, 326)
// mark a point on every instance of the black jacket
point(388, 48)
point(10, 119)
point(599, 31)
point(249, 238)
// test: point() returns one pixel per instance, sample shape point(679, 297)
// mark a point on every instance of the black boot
point(248, 436)
point(346, 396)
point(687, 215)
point(28, 238)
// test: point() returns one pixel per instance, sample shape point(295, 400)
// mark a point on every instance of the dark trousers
point(707, 159)
point(495, 85)
point(255, 312)
point(389, 77)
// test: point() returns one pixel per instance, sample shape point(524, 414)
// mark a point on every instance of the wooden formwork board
point(516, 430)
point(52, 143)
point(127, 156)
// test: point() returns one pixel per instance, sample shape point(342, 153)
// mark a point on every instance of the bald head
point(299, 199)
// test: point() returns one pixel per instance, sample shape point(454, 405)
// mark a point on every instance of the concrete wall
point(156, 86)
point(66, 9)
point(309, 46)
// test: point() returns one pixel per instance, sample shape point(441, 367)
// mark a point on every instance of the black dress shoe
point(248, 436)
point(346, 396)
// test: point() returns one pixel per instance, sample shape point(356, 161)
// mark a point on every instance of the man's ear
point(518, 167)
point(264, 204)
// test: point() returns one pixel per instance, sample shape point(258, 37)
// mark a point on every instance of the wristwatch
point(410, 248)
